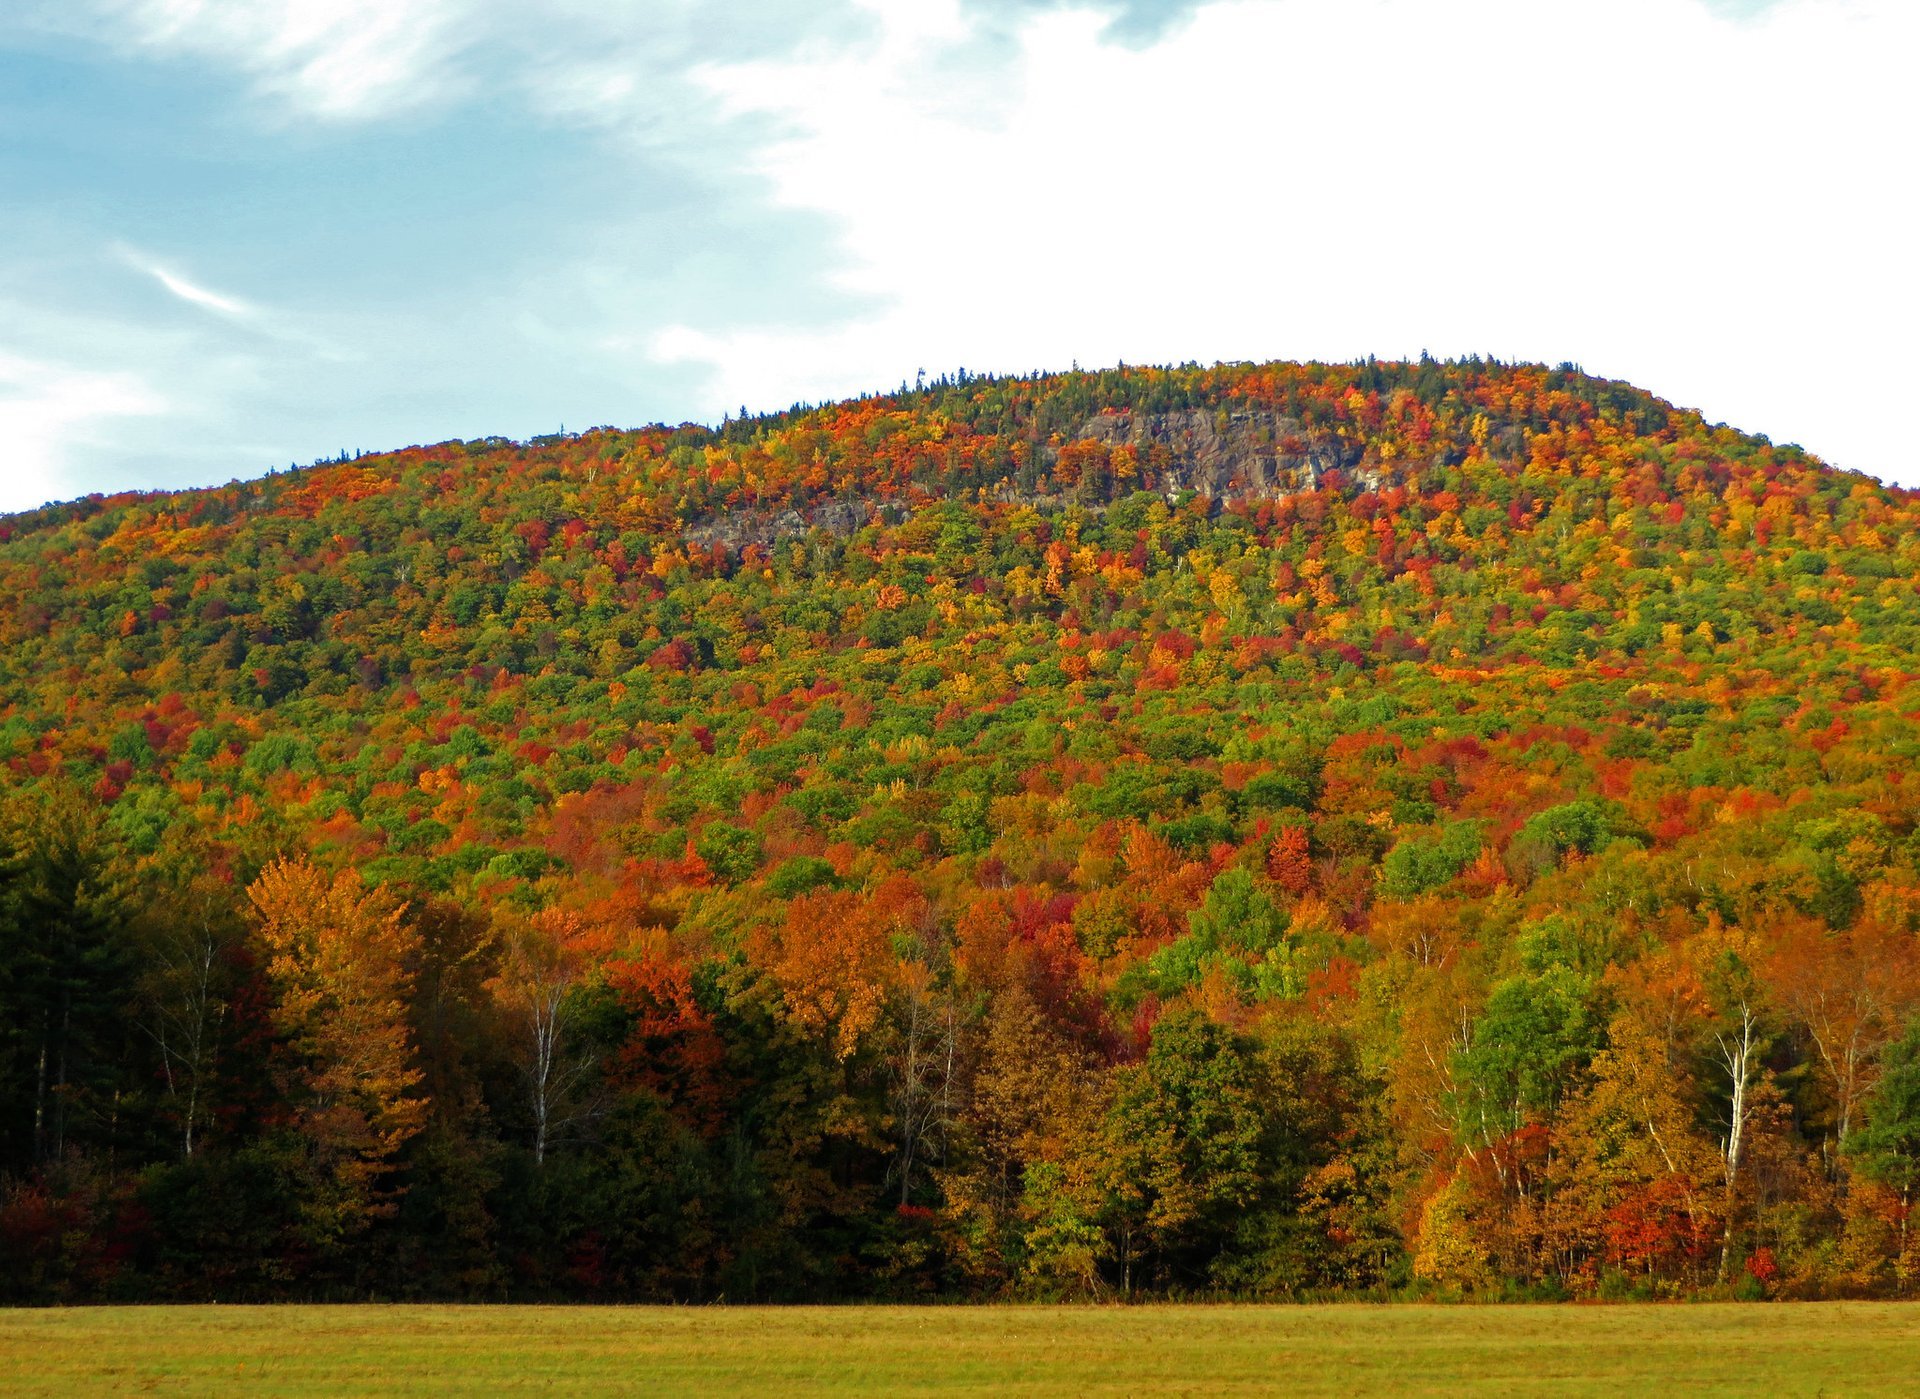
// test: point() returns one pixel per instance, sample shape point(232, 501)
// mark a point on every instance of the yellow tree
point(833, 958)
point(1637, 1181)
point(338, 959)
point(1035, 1096)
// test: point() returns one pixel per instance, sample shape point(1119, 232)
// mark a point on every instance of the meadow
point(1829, 1349)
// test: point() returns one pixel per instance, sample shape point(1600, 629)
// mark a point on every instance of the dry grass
point(1835, 1349)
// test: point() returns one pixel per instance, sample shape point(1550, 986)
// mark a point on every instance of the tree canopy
point(1259, 828)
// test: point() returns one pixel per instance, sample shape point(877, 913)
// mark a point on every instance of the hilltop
point(1263, 827)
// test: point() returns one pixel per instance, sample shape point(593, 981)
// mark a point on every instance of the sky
point(238, 234)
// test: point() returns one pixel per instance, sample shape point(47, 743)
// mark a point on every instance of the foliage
point(1259, 828)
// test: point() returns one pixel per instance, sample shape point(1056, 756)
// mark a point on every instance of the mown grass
point(1833, 1349)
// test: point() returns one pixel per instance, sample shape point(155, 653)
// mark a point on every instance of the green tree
point(1237, 929)
point(1187, 1137)
point(1536, 1032)
point(1419, 863)
point(1887, 1148)
point(66, 978)
point(731, 853)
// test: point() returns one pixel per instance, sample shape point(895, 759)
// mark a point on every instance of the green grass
point(1834, 1348)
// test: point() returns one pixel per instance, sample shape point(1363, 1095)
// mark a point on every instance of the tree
point(921, 1066)
point(1035, 1095)
point(190, 944)
point(731, 853)
point(1288, 864)
point(1452, 1251)
point(1238, 915)
point(833, 959)
point(1526, 1051)
point(337, 960)
point(1418, 864)
point(1887, 1148)
point(1536, 1032)
point(66, 975)
point(1739, 1043)
point(544, 962)
point(1238, 930)
point(1849, 990)
point(1187, 1137)
point(669, 1045)
point(1635, 1181)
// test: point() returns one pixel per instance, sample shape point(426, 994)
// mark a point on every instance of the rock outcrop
point(1224, 455)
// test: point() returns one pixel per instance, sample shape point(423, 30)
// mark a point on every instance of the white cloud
point(46, 410)
point(1713, 208)
point(339, 59)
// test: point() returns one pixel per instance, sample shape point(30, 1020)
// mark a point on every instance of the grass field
point(1835, 1349)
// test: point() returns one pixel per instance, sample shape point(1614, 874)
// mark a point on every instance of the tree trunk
point(60, 1078)
point(40, 1097)
point(1737, 1054)
point(1900, 1264)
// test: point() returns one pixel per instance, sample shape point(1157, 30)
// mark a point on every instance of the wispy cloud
point(126, 387)
point(46, 409)
point(332, 59)
point(190, 292)
point(595, 63)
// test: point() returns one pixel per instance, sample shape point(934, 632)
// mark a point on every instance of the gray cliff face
point(741, 527)
point(1225, 456)
point(1249, 454)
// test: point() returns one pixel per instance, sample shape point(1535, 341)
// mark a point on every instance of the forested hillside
point(1264, 830)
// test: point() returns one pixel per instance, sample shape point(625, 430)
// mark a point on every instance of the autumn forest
point(1278, 831)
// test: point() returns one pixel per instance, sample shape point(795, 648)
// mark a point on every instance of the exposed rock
point(736, 528)
point(1226, 455)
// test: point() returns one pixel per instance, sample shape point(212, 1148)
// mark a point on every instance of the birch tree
point(921, 1072)
point(1735, 1053)
point(183, 1000)
point(544, 961)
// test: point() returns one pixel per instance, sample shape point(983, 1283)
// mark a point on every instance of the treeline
point(300, 1086)
point(284, 1083)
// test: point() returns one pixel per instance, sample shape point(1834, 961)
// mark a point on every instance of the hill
point(1267, 828)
